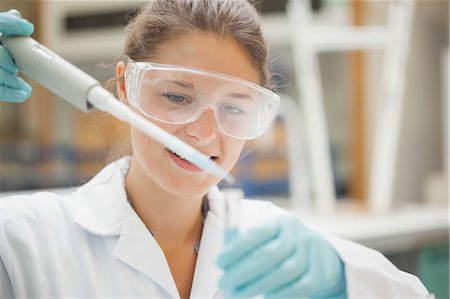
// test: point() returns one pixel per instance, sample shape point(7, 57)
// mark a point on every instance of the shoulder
point(34, 209)
point(37, 204)
point(52, 209)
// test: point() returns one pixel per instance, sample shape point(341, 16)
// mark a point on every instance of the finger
point(262, 259)
point(307, 284)
point(330, 267)
point(302, 287)
point(6, 62)
point(246, 242)
point(10, 24)
point(10, 80)
point(12, 95)
point(286, 273)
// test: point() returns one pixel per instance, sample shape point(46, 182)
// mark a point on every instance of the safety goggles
point(179, 95)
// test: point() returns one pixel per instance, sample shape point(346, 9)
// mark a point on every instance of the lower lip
point(183, 163)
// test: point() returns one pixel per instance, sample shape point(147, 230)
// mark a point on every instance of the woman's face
point(153, 161)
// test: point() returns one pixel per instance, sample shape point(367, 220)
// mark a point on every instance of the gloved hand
point(282, 259)
point(12, 88)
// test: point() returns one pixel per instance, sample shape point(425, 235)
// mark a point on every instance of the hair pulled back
point(162, 20)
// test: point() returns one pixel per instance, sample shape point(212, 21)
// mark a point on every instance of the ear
point(120, 82)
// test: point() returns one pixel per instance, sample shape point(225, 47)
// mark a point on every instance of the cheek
point(141, 141)
point(233, 150)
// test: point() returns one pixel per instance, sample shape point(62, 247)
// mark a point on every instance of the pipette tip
point(229, 179)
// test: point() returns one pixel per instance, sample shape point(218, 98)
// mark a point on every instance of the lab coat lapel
point(100, 205)
point(137, 248)
point(207, 273)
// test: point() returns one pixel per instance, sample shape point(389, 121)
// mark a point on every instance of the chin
point(187, 182)
point(189, 186)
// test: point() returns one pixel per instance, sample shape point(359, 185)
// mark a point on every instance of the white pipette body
point(83, 91)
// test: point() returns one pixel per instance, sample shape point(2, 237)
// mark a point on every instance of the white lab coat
point(91, 243)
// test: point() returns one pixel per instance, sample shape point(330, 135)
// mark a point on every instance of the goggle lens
point(179, 95)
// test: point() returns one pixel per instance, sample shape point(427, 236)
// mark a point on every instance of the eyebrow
point(236, 95)
point(240, 96)
point(183, 84)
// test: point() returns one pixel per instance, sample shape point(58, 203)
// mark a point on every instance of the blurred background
point(359, 148)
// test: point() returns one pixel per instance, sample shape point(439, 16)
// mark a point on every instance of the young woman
point(151, 225)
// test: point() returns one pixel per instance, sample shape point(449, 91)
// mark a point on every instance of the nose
point(204, 128)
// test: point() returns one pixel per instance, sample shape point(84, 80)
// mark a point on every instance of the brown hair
point(163, 20)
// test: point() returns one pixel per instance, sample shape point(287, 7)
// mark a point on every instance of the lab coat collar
point(137, 248)
point(101, 207)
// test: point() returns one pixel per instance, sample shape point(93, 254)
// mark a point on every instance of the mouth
point(185, 164)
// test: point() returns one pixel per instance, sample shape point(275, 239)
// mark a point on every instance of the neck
point(174, 220)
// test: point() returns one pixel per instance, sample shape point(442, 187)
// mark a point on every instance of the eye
point(175, 98)
point(233, 110)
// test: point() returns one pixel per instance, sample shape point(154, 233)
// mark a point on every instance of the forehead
point(196, 81)
point(209, 52)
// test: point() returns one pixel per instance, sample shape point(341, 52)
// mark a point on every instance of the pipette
point(84, 92)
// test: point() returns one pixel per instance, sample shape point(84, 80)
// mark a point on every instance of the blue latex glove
point(12, 88)
point(282, 259)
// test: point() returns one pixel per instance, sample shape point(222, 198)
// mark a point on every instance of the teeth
point(178, 155)
point(182, 157)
